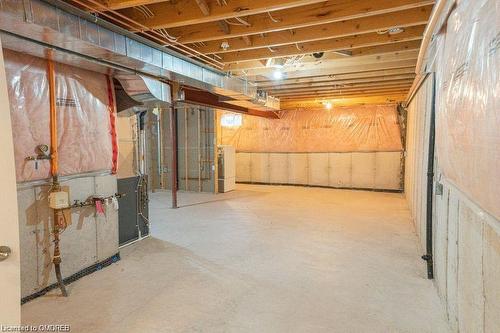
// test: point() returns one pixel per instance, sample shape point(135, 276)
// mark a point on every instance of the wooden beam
point(376, 74)
point(328, 61)
point(214, 101)
point(309, 64)
point(407, 18)
point(315, 103)
point(121, 4)
point(300, 17)
point(347, 94)
point(387, 48)
point(329, 85)
point(405, 87)
point(202, 4)
point(333, 69)
point(346, 43)
point(186, 12)
point(311, 82)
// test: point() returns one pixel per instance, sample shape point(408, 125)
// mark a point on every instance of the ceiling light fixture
point(395, 31)
point(224, 45)
point(277, 74)
point(328, 105)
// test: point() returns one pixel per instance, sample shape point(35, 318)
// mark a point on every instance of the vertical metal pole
point(160, 152)
point(199, 150)
point(186, 151)
point(173, 137)
point(215, 142)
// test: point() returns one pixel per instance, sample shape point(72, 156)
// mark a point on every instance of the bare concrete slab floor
point(261, 259)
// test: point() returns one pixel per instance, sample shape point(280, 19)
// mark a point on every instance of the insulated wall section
point(370, 170)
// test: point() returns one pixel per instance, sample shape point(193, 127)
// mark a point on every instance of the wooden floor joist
point(407, 18)
point(295, 49)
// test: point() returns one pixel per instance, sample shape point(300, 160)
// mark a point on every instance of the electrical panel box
point(227, 168)
point(58, 200)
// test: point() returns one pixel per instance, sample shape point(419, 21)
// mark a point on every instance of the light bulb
point(277, 75)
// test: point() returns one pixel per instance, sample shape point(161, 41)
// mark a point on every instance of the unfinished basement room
point(250, 166)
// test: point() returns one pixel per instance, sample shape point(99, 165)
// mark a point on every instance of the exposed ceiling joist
point(314, 103)
point(121, 4)
point(338, 67)
point(294, 18)
point(282, 90)
point(405, 86)
point(313, 82)
point(347, 43)
point(407, 18)
point(333, 95)
point(183, 13)
point(328, 61)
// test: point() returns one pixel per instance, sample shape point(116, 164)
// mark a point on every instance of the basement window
point(231, 120)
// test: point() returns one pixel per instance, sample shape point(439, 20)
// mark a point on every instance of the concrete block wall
point(368, 170)
point(89, 239)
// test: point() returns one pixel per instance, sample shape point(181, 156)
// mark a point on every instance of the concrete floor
point(261, 259)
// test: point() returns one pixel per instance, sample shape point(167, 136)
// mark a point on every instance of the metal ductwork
point(68, 35)
point(135, 93)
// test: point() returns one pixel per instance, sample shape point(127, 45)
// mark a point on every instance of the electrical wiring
point(275, 20)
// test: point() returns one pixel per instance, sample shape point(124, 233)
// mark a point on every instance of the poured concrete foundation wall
point(364, 170)
point(466, 225)
point(89, 239)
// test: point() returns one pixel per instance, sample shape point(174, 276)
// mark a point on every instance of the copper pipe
point(54, 166)
point(148, 32)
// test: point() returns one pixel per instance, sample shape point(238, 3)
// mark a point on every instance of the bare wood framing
point(300, 17)
point(183, 13)
point(407, 18)
point(347, 43)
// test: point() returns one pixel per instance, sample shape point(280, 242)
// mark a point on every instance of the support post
point(173, 138)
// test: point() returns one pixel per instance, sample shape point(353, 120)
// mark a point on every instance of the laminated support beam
point(214, 101)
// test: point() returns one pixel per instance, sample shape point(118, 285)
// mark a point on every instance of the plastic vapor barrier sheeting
point(83, 119)
point(467, 117)
point(342, 129)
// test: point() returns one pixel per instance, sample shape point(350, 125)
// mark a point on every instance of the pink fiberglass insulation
point(342, 129)
point(83, 117)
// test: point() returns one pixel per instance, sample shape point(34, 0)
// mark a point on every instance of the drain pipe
point(428, 256)
point(59, 219)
